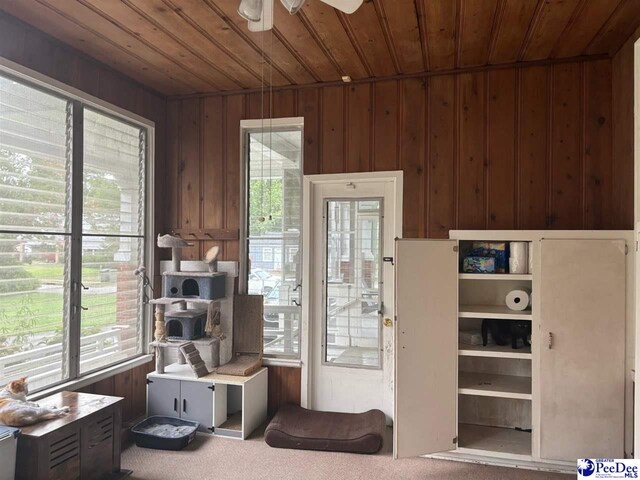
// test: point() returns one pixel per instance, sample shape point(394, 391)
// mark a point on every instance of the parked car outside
point(261, 282)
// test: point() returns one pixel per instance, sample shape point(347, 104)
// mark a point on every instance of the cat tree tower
point(188, 310)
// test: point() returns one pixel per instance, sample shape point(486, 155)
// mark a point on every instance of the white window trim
point(245, 127)
point(54, 86)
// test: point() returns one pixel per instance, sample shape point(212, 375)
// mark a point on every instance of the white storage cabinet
point(224, 405)
point(533, 407)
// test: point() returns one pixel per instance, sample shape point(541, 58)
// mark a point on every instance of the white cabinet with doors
point(224, 405)
point(539, 406)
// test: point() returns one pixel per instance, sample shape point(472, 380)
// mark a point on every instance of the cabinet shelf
point(494, 439)
point(494, 351)
point(501, 312)
point(495, 276)
point(493, 385)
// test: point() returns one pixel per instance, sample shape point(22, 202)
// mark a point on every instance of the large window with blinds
point(72, 233)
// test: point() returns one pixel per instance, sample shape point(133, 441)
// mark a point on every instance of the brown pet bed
point(299, 428)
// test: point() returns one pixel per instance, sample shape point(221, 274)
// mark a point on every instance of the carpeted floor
point(221, 458)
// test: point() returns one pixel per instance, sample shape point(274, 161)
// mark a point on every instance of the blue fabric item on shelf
point(499, 250)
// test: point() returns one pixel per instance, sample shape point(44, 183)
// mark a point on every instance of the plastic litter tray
point(164, 433)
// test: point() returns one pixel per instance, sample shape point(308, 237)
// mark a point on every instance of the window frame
point(81, 101)
point(247, 127)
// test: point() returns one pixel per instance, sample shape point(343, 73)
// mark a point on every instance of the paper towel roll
point(518, 257)
point(518, 300)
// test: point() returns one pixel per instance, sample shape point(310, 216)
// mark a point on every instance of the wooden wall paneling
point(284, 103)
point(399, 16)
point(501, 148)
point(213, 179)
point(123, 387)
point(386, 109)
point(234, 112)
point(12, 39)
point(258, 105)
point(579, 33)
point(551, 19)
point(189, 171)
point(86, 41)
point(359, 132)
point(566, 174)
point(442, 202)
point(474, 37)
point(284, 387)
point(323, 20)
point(623, 135)
point(619, 27)
point(413, 156)
point(471, 168)
point(370, 39)
point(533, 153)
point(333, 130)
point(139, 390)
point(512, 26)
point(309, 101)
point(440, 18)
point(172, 195)
point(146, 20)
point(598, 151)
point(86, 78)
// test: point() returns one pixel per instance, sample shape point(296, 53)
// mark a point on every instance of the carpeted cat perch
point(299, 428)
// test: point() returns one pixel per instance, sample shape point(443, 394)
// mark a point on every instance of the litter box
point(164, 433)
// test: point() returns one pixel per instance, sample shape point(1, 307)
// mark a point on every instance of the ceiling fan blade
point(346, 6)
point(293, 6)
point(250, 10)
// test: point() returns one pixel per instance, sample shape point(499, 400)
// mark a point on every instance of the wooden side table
point(84, 444)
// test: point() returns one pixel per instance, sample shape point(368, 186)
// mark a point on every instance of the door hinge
point(149, 381)
point(212, 388)
point(212, 429)
point(455, 440)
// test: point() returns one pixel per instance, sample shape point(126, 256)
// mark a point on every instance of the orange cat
point(17, 411)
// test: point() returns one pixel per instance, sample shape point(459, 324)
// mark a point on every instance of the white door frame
point(310, 182)
point(636, 163)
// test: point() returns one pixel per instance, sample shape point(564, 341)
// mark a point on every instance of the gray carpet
point(221, 458)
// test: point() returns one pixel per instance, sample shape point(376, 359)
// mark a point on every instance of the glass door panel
point(353, 286)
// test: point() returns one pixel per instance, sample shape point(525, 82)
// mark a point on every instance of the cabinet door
point(426, 336)
point(582, 295)
point(197, 403)
point(163, 397)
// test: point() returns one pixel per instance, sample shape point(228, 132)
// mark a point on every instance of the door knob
point(387, 322)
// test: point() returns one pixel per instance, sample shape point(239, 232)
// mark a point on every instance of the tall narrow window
point(35, 205)
point(274, 225)
point(69, 220)
point(112, 240)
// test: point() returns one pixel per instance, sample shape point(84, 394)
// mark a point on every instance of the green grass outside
point(50, 273)
point(43, 312)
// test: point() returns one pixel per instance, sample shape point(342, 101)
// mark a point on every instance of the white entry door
point(352, 225)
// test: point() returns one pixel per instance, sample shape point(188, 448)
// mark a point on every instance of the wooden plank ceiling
point(180, 47)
